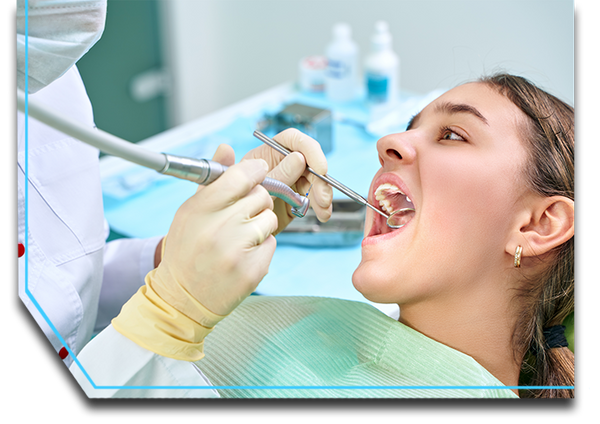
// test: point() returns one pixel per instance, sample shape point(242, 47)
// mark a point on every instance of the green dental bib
point(284, 347)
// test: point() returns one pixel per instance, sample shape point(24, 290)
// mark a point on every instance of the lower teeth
point(400, 218)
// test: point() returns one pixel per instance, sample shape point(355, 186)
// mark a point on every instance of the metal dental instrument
point(397, 215)
point(200, 171)
point(332, 182)
point(204, 172)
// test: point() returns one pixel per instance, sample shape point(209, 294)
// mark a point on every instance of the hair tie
point(555, 337)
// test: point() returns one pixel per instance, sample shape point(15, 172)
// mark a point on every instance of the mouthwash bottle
point(382, 69)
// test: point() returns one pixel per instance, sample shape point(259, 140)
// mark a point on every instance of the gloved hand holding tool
point(221, 240)
point(219, 248)
point(291, 170)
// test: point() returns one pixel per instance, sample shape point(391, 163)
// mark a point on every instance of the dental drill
point(200, 171)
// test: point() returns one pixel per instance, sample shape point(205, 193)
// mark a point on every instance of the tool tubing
point(200, 171)
point(102, 140)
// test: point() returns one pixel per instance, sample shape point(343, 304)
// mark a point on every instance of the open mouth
point(395, 203)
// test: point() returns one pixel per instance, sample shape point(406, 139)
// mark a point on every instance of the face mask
point(59, 33)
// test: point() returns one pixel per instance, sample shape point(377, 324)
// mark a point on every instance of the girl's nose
point(396, 149)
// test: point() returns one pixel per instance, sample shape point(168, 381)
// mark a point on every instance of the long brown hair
point(550, 297)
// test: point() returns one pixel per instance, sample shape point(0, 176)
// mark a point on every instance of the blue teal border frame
point(55, 331)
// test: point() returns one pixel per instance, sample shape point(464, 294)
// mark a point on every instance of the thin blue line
point(25, 242)
point(53, 328)
point(339, 387)
point(26, 209)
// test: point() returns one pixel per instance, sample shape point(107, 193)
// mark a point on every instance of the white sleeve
point(112, 366)
point(126, 263)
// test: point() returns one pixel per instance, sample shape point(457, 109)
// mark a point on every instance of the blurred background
point(162, 63)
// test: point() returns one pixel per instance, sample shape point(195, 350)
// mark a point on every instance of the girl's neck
point(478, 324)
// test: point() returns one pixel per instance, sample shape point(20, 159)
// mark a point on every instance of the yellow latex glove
point(291, 170)
point(216, 252)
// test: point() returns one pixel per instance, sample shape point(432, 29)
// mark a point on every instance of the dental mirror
point(400, 218)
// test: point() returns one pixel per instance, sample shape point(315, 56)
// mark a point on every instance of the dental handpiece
point(200, 171)
point(329, 180)
point(204, 172)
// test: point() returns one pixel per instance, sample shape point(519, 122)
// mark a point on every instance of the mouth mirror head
point(400, 218)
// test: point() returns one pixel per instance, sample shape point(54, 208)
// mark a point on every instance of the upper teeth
point(380, 195)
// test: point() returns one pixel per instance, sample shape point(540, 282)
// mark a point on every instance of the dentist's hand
point(220, 243)
point(217, 250)
point(291, 170)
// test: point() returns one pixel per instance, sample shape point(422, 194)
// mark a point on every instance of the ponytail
point(549, 298)
point(553, 365)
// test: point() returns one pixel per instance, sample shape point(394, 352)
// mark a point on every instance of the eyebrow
point(451, 109)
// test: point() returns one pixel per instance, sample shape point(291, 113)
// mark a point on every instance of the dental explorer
point(200, 171)
point(329, 180)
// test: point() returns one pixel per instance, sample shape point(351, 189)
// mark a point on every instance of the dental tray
point(344, 228)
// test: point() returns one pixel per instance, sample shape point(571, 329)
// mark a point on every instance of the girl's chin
point(365, 280)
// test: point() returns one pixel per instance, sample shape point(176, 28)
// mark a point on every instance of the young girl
point(486, 264)
point(482, 268)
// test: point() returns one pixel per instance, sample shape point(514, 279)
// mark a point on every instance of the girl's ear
point(548, 223)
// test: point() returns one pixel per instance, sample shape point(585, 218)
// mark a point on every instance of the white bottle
point(341, 76)
point(382, 68)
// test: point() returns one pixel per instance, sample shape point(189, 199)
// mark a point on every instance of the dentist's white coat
point(72, 282)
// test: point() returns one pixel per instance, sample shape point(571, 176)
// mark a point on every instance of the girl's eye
point(448, 134)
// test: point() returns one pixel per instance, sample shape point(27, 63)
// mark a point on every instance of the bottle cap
point(382, 36)
point(342, 31)
point(312, 73)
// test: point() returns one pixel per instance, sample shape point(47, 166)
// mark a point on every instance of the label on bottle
point(337, 69)
point(378, 90)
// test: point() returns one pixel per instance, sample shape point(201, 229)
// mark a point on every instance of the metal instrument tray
point(344, 228)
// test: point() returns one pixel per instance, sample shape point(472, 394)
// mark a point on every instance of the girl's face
point(460, 163)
